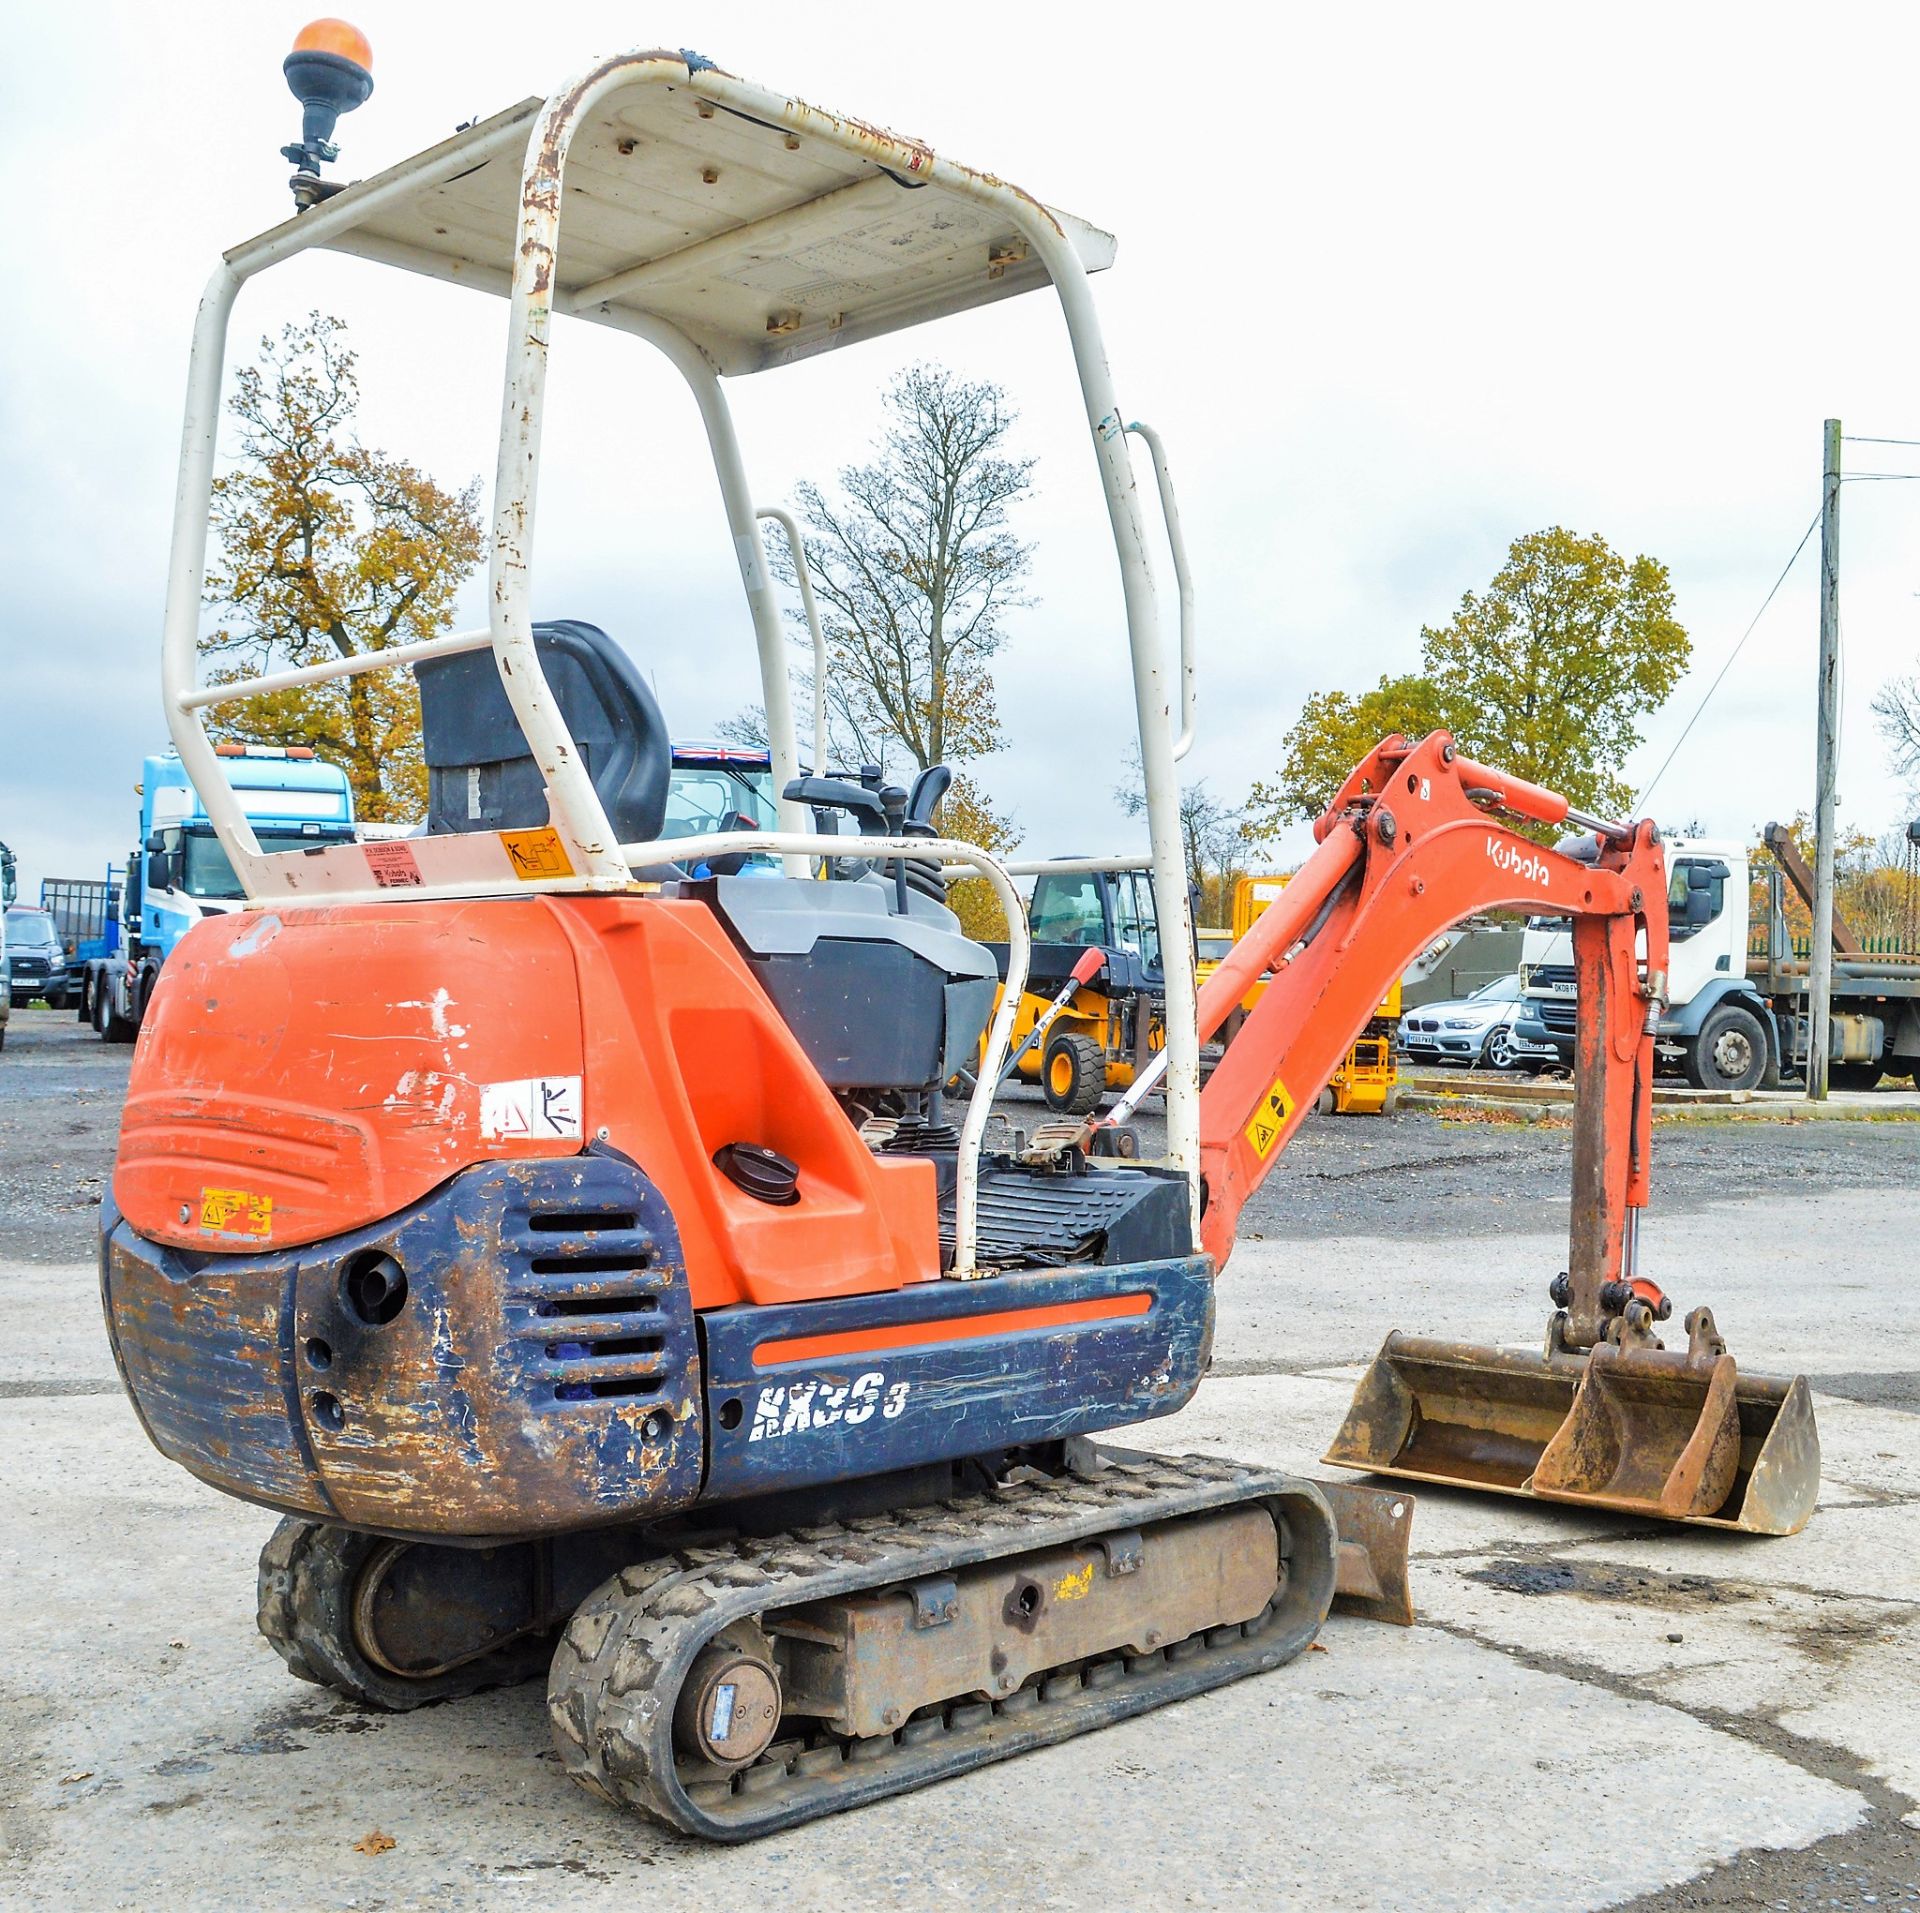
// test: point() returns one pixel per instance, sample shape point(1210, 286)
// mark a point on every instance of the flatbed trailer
point(1873, 1009)
point(86, 913)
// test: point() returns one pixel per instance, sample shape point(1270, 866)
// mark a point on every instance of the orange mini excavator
point(578, 1253)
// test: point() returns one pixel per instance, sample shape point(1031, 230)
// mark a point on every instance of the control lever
point(923, 873)
point(893, 803)
point(828, 795)
point(929, 787)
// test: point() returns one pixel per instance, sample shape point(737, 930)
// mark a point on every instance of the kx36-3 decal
point(796, 1408)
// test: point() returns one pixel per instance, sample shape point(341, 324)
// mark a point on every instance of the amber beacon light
point(330, 72)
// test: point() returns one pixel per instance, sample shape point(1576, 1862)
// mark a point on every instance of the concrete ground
point(1592, 1711)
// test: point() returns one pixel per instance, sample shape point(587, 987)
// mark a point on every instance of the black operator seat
point(480, 773)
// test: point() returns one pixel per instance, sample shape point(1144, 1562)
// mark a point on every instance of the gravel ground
point(60, 1093)
point(1421, 1176)
point(1430, 1176)
point(1433, 1176)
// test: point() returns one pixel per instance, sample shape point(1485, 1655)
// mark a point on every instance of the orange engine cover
point(305, 1071)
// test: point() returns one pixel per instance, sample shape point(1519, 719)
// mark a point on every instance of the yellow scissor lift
point(1363, 1084)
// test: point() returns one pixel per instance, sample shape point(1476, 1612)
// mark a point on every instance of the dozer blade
point(1373, 1527)
point(1640, 1430)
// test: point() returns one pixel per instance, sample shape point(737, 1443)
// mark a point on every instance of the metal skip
point(1682, 1436)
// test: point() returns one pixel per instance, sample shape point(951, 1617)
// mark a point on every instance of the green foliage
point(966, 815)
point(1334, 731)
point(327, 549)
point(1546, 675)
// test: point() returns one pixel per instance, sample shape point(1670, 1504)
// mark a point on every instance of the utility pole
point(1826, 770)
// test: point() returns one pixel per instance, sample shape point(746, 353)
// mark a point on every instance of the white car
point(1474, 1030)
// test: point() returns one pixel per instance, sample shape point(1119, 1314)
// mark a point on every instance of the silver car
point(1473, 1031)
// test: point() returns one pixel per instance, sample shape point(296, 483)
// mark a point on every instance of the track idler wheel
point(395, 1624)
point(729, 1709)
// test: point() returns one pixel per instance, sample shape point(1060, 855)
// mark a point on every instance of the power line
point(1853, 439)
point(1813, 524)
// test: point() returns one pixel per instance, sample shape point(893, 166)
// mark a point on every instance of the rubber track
point(307, 1575)
point(620, 1663)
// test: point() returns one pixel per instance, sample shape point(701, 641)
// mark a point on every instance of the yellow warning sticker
point(236, 1212)
point(535, 854)
point(1269, 1119)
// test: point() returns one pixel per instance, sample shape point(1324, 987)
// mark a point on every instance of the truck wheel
point(1730, 1052)
point(1074, 1074)
point(110, 1027)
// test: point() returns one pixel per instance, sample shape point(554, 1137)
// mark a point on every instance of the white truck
point(1737, 1010)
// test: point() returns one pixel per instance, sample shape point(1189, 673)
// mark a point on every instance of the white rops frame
point(685, 300)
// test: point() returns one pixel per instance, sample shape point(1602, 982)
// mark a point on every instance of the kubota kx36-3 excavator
point(494, 1204)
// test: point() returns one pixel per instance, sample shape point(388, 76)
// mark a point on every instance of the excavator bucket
point(1643, 1430)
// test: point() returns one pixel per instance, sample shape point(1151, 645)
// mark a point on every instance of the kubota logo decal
point(1518, 862)
point(797, 1408)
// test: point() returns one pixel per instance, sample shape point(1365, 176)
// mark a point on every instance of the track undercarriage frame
point(730, 1680)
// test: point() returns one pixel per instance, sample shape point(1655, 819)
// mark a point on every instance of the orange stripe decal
point(949, 1328)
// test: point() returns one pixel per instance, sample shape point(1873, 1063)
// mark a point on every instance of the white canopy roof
point(762, 244)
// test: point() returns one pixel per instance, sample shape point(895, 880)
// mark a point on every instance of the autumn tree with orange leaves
point(330, 549)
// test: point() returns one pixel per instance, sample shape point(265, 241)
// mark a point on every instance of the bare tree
point(847, 748)
point(1897, 706)
point(1215, 834)
point(915, 566)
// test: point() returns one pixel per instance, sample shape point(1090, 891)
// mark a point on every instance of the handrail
point(357, 665)
point(1000, 1031)
point(779, 515)
point(1066, 866)
point(1183, 579)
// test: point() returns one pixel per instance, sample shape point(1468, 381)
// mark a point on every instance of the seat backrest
point(480, 774)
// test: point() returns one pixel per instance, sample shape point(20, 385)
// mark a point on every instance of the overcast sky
point(1397, 284)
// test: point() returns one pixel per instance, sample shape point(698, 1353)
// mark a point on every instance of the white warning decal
point(538, 1109)
point(797, 1408)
